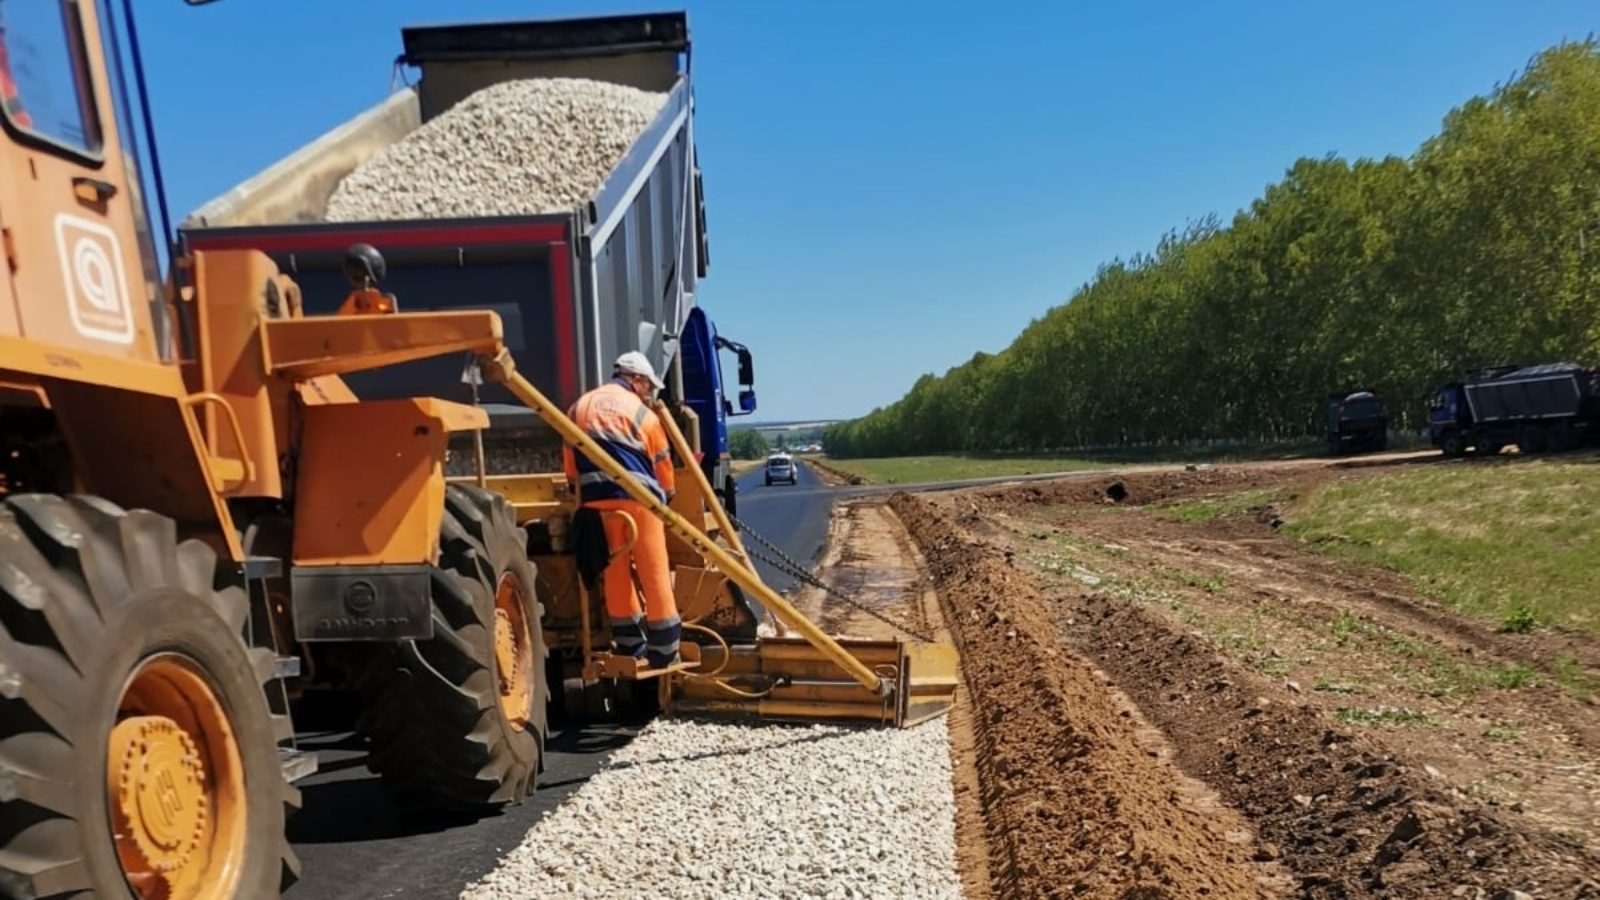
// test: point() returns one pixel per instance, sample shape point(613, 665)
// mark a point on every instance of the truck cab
point(1448, 419)
point(1357, 420)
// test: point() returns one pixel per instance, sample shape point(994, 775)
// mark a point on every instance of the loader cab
point(84, 273)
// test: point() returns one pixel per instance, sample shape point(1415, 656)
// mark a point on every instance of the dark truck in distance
point(1358, 421)
point(1543, 408)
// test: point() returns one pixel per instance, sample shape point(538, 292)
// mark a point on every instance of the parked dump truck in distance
point(1543, 408)
point(1357, 421)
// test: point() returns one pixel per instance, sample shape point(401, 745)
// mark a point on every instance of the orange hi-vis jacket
point(614, 417)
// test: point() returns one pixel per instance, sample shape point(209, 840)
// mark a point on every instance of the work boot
point(663, 642)
point(627, 637)
point(656, 661)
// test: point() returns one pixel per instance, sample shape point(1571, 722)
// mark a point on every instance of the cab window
point(44, 73)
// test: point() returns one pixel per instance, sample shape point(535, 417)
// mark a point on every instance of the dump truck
point(1551, 407)
point(617, 270)
point(1357, 421)
point(211, 500)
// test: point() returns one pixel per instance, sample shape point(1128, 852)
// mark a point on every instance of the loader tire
point(138, 753)
point(458, 722)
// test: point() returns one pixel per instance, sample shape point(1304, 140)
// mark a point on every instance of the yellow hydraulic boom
point(901, 699)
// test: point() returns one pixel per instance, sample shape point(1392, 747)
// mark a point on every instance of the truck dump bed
point(1534, 392)
point(575, 286)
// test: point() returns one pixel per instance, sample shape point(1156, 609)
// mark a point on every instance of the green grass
point(928, 469)
point(950, 467)
point(1428, 668)
point(1207, 508)
point(1384, 717)
point(1518, 545)
point(1505, 732)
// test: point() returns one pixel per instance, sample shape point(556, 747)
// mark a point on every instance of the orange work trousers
point(649, 557)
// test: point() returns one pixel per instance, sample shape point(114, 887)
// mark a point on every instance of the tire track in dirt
point(1247, 539)
point(1327, 591)
point(1479, 716)
point(1336, 807)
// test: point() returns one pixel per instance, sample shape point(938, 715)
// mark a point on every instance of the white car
point(781, 467)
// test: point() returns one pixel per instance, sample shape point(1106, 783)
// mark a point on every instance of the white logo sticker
point(91, 267)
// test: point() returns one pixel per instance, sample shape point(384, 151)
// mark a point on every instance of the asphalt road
point(353, 843)
point(794, 517)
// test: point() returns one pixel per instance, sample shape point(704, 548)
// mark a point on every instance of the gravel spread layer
point(521, 147)
point(695, 809)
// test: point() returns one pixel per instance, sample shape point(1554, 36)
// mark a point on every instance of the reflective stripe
point(662, 455)
point(627, 634)
point(602, 436)
point(664, 637)
point(638, 417)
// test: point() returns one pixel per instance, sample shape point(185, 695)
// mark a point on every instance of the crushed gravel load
point(522, 147)
point(714, 810)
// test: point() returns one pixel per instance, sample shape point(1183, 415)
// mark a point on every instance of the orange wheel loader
point(164, 455)
point(201, 514)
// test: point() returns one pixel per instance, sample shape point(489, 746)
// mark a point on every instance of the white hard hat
point(634, 363)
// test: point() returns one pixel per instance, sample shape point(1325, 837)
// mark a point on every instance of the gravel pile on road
point(516, 148)
point(694, 809)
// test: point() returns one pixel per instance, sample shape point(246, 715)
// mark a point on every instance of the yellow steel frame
point(502, 368)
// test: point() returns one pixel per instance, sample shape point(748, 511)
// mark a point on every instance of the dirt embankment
point(1077, 806)
point(831, 474)
point(1050, 804)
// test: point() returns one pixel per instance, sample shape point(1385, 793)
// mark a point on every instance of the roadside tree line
point(1482, 248)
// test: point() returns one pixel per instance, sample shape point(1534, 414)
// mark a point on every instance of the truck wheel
point(459, 721)
point(139, 756)
point(730, 495)
point(1558, 437)
point(1531, 439)
point(1452, 444)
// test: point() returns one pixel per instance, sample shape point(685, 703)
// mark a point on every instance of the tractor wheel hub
point(159, 786)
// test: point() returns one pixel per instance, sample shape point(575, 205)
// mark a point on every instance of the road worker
point(617, 416)
point(364, 268)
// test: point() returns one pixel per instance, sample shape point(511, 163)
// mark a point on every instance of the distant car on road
point(781, 467)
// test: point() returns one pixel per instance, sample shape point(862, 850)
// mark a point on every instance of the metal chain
point(790, 567)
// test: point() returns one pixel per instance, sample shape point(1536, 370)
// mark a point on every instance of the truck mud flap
point(362, 603)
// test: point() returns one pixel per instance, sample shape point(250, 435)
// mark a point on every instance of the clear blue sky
point(892, 186)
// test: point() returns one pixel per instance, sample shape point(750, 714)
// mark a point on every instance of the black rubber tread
point(87, 590)
point(433, 722)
